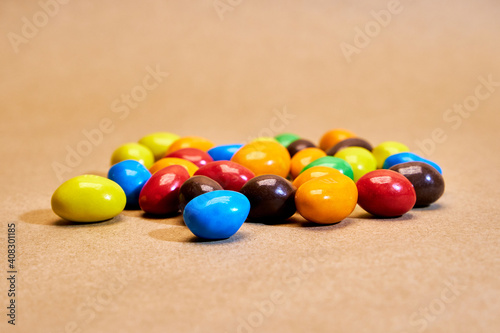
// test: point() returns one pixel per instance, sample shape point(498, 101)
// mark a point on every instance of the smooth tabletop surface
point(80, 78)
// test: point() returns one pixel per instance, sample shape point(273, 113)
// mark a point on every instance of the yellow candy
point(159, 143)
point(133, 151)
point(191, 142)
point(168, 161)
point(264, 138)
point(386, 149)
point(360, 159)
point(88, 198)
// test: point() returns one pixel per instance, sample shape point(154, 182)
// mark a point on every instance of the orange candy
point(264, 157)
point(314, 172)
point(168, 161)
point(303, 158)
point(327, 199)
point(334, 136)
point(190, 142)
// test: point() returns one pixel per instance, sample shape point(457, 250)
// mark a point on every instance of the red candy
point(193, 155)
point(160, 194)
point(230, 175)
point(385, 193)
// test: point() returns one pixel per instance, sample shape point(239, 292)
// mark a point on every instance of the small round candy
point(351, 142)
point(195, 186)
point(286, 138)
point(196, 156)
point(303, 158)
point(159, 142)
point(385, 193)
point(386, 149)
point(168, 161)
point(131, 176)
point(191, 142)
point(313, 172)
point(224, 152)
point(160, 194)
point(264, 157)
point(230, 175)
point(332, 162)
point(298, 145)
point(271, 198)
point(360, 159)
point(408, 157)
point(133, 151)
point(427, 181)
point(88, 198)
point(216, 215)
point(334, 136)
point(327, 199)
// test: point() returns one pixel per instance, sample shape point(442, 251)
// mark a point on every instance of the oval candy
point(133, 151)
point(195, 186)
point(131, 176)
point(230, 175)
point(298, 145)
point(159, 142)
point(264, 157)
point(361, 160)
point(224, 152)
point(196, 156)
point(168, 161)
point(408, 157)
point(332, 162)
point(350, 142)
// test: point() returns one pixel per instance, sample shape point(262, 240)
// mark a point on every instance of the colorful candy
point(224, 152)
point(131, 176)
point(427, 181)
point(334, 136)
point(264, 157)
point(313, 172)
point(271, 198)
point(332, 162)
point(286, 138)
point(159, 143)
point(195, 186)
point(88, 198)
point(196, 156)
point(216, 215)
point(360, 160)
point(298, 145)
point(168, 161)
point(190, 142)
point(328, 199)
point(303, 158)
point(408, 157)
point(386, 149)
point(385, 193)
point(160, 194)
point(351, 142)
point(133, 151)
point(230, 175)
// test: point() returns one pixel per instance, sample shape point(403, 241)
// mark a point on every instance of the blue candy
point(408, 157)
point(131, 176)
point(224, 153)
point(216, 214)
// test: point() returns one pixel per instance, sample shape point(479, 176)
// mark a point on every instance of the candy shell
point(159, 142)
point(408, 157)
point(191, 142)
point(313, 172)
point(168, 161)
point(230, 175)
point(334, 136)
point(386, 149)
point(133, 151)
point(286, 138)
point(360, 160)
point(264, 157)
point(195, 186)
point(303, 158)
point(351, 142)
point(131, 176)
point(224, 152)
point(332, 162)
point(298, 145)
point(196, 156)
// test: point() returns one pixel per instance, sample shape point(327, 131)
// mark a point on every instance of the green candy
point(286, 138)
point(332, 162)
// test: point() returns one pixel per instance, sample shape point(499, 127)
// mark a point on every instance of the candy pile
point(218, 188)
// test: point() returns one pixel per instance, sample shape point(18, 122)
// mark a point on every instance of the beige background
point(227, 77)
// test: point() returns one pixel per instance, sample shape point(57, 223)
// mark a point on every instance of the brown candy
point(194, 187)
point(298, 145)
point(351, 142)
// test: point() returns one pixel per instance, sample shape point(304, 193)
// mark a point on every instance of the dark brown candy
point(272, 198)
point(298, 145)
point(351, 142)
point(427, 181)
point(194, 187)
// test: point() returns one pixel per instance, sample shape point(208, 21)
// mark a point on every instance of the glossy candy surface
point(314, 172)
point(159, 142)
point(133, 151)
point(386, 149)
point(303, 158)
point(194, 155)
point(351, 142)
point(216, 215)
point(334, 136)
point(168, 161)
point(230, 175)
point(361, 160)
point(332, 162)
point(224, 152)
point(427, 181)
point(385, 193)
point(286, 138)
point(264, 157)
point(160, 194)
point(327, 199)
point(408, 157)
point(190, 142)
point(195, 186)
point(298, 145)
point(88, 198)
point(272, 198)
point(131, 176)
